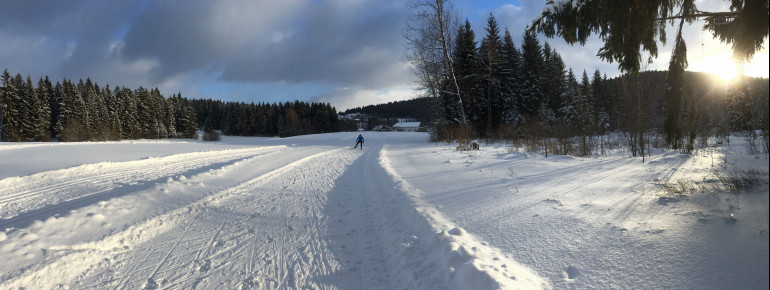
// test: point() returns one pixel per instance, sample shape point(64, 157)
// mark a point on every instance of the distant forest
point(709, 92)
point(419, 109)
point(84, 111)
point(526, 94)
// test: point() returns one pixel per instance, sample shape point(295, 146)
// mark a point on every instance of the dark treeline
point(418, 109)
point(282, 119)
point(84, 111)
point(527, 93)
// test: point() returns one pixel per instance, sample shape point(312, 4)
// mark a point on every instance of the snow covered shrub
point(462, 133)
point(211, 135)
point(680, 187)
point(451, 132)
point(742, 179)
point(516, 144)
point(751, 144)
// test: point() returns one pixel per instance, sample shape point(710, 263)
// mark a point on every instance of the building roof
point(407, 125)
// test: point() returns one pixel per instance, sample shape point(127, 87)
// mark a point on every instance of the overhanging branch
point(702, 14)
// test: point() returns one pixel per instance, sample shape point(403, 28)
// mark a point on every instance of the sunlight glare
point(718, 64)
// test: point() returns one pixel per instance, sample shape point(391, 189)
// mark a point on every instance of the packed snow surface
point(403, 213)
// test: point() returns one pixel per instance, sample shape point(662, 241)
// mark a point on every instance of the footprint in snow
point(151, 284)
point(205, 266)
point(571, 273)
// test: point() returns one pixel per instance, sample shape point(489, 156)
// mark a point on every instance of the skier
point(359, 140)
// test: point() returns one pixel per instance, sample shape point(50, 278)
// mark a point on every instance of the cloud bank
point(346, 52)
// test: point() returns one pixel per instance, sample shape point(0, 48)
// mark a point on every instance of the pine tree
point(114, 126)
point(2, 104)
point(28, 108)
point(626, 31)
point(675, 86)
point(585, 107)
point(159, 113)
point(568, 107)
point(465, 60)
point(98, 121)
point(145, 114)
point(128, 114)
point(42, 116)
point(532, 59)
point(491, 57)
point(184, 116)
point(10, 101)
point(511, 96)
point(554, 71)
point(170, 120)
point(602, 102)
point(74, 114)
point(55, 102)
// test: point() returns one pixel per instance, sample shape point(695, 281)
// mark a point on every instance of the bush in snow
point(211, 135)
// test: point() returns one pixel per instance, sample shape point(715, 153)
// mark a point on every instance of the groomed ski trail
point(24, 194)
point(321, 218)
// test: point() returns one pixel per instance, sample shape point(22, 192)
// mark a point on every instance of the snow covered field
point(309, 212)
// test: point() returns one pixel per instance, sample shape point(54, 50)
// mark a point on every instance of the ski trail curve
point(20, 195)
point(175, 201)
point(311, 218)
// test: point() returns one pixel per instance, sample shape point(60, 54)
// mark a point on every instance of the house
point(407, 126)
point(382, 128)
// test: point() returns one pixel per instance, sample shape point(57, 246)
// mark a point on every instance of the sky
point(344, 52)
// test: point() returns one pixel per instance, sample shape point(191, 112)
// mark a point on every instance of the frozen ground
point(309, 212)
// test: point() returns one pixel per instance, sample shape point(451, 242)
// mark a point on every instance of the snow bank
point(453, 255)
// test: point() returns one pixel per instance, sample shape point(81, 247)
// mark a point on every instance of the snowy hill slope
point(403, 213)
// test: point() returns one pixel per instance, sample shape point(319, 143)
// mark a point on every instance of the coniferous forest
point(527, 95)
point(521, 93)
point(84, 111)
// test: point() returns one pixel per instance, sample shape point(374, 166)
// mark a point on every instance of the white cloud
point(348, 98)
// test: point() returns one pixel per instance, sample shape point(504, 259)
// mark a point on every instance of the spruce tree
point(28, 108)
point(627, 31)
point(131, 128)
point(511, 96)
point(532, 59)
point(159, 113)
point(465, 60)
point(42, 116)
point(568, 107)
point(585, 105)
point(675, 86)
point(55, 102)
point(554, 71)
point(491, 64)
point(170, 120)
point(10, 100)
point(74, 117)
point(602, 102)
point(114, 125)
point(145, 117)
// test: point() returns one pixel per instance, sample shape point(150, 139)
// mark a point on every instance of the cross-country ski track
point(312, 212)
point(274, 217)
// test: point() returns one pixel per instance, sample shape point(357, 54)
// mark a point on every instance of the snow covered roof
point(407, 125)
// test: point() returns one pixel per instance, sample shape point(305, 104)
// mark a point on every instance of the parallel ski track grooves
point(568, 173)
point(204, 242)
point(97, 182)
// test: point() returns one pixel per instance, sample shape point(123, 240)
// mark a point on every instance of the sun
point(719, 64)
